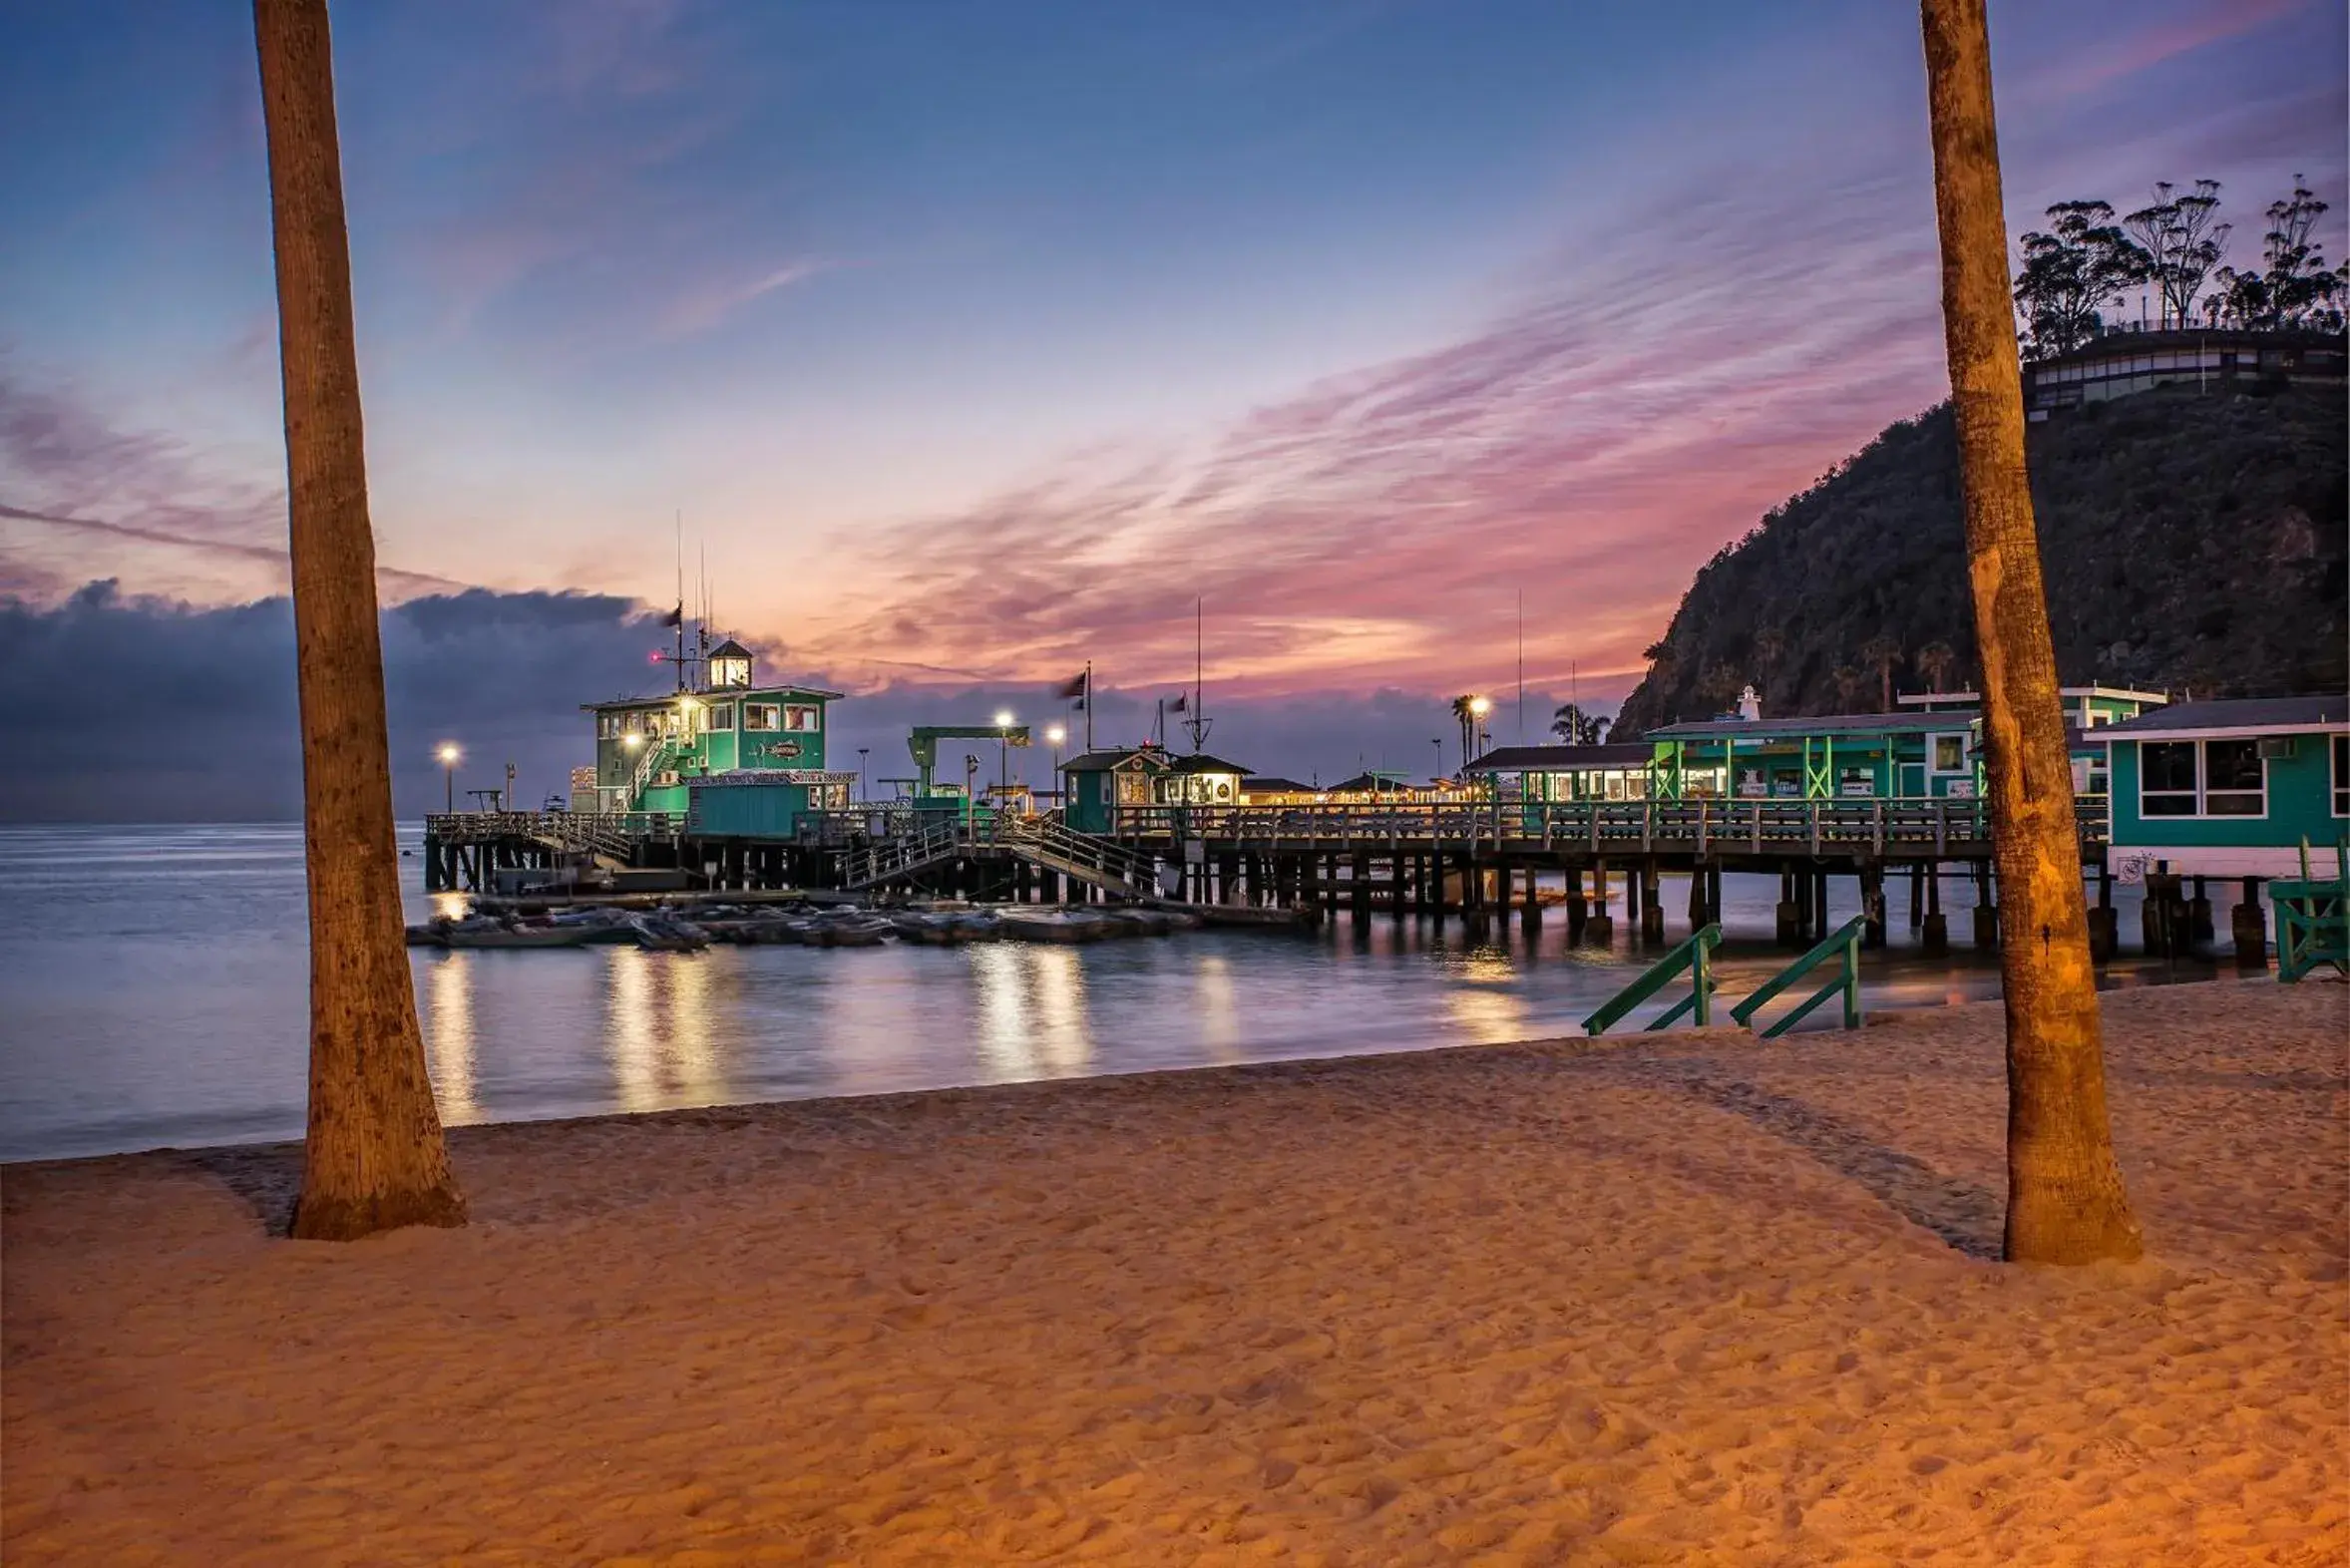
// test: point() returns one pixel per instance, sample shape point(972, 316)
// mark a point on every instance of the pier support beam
point(1872, 905)
point(2104, 925)
point(2198, 915)
point(1789, 933)
point(1652, 903)
point(1600, 928)
point(1986, 913)
point(1578, 906)
point(2249, 928)
point(1934, 933)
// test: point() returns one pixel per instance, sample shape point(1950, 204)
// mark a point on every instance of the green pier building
point(732, 757)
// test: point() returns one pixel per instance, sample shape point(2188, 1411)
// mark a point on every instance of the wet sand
point(1684, 1299)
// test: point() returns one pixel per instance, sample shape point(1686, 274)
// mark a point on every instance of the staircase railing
point(1693, 955)
point(1104, 857)
point(646, 766)
point(1841, 944)
point(2312, 919)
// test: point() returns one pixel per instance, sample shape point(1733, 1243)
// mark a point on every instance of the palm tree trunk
point(2066, 1202)
point(374, 1157)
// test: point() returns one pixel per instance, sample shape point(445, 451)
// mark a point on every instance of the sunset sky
point(973, 340)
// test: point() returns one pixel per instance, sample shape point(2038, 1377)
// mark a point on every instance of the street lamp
point(860, 751)
point(1004, 720)
point(1054, 734)
point(447, 753)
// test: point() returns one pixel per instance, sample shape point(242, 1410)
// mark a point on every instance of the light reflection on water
point(155, 993)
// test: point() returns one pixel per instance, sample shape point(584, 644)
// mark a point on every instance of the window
point(718, 715)
point(762, 715)
point(2166, 778)
point(804, 718)
point(1950, 753)
point(2235, 780)
point(2342, 775)
point(1860, 781)
point(2212, 778)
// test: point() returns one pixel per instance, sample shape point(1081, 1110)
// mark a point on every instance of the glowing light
point(631, 740)
point(1056, 734)
point(447, 753)
point(1480, 707)
point(1003, 718)
point(656, 657)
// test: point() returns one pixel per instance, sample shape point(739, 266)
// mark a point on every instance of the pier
point(1477, 859)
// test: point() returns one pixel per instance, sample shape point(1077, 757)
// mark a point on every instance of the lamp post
point(1054, 735)
point(1479, 707)
point(448, 754)
point(1003, 719)
point(860, 751)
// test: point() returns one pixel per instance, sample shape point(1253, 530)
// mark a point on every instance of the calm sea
point(152, 986)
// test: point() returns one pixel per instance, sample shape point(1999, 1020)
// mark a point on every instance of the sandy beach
point(1681, 1299)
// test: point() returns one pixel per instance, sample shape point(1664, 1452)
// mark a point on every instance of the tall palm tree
point(2065, 1198)
point(1880, 654)
point(374, 1157)
point(1935, 661)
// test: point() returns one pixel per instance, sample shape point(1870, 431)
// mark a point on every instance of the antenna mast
point(680, 617)
point(1197, 723)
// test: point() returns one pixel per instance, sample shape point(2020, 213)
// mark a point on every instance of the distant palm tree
point(1578, 728)
point(1464, 710)
point(373, 1157)
point(1849, 683)
point(1935, 661)
point(1880, 654)
point(2065, 1199)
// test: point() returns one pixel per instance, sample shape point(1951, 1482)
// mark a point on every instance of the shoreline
point(1635, 1299)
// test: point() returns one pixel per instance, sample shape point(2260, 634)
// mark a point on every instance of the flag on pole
point(675, 618)
point(1181, 704)
point(1073, 687)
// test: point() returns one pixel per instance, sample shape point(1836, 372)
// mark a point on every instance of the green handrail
point(2313, 919)
point(1693, 955)
point(1843, 942)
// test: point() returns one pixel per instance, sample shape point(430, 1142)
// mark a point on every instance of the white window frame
point(2203, 779)
point(770, 712)
point(803, 718)
point(2337, 752)
point(1934, 753)
point(2202, 789)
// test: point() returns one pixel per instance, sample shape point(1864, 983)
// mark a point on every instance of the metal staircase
point(903, 857)
point(662, 749)
point(1104, 863)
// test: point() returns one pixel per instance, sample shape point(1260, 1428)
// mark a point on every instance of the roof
point(2236, 716)
point(1373, 782)
point(1201, 762)
point(730, 650)
point(1103, 759)
point(1822, 724)
point(1973, 698)
point(1563, 759)
point(722, 693)
point(1274, 784)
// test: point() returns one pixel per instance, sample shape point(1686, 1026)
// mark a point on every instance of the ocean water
point(153, 982)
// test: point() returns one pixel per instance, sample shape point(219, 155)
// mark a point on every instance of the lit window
point(718, 715)
point(1950, 753)
point(2166, 778)
point(762, 715)
point(806, 718)
point(2235, 780)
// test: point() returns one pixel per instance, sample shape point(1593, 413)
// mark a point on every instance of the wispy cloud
point(700, 308)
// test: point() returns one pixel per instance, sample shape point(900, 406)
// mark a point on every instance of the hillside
point(2189, 542)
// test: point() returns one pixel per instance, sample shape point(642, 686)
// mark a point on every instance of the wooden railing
point(1705, 826)
point(610, 832)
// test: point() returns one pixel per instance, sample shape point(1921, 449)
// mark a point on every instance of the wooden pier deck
point(1476, 858)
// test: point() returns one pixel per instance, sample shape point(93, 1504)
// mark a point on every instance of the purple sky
point(974, 340)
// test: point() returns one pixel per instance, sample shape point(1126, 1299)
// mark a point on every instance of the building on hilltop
point(2120, 363)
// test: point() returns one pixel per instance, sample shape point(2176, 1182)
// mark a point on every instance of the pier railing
point(1709, 826)
point(602, 832)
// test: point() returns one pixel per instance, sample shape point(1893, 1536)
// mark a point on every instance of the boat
point(1059, 926)
point(468, 935)
point(662, 933)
